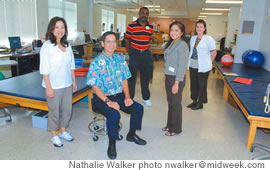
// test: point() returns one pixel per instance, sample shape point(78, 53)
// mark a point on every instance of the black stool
point(98, 125)
point(262, 147)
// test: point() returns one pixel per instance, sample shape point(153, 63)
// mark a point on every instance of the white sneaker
point(56, 141)
point(65, 135)
point(147, 103)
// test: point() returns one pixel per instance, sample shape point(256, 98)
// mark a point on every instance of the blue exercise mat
point(29, 86)
point(251, 96)
point(245, 72)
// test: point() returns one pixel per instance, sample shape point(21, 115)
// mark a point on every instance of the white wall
point(216, 26)
point(83, 18)
point(42, 17)
point(233, 24)
point(88, 16)
point(91, 16)
point(264, 45)
point(251, 11)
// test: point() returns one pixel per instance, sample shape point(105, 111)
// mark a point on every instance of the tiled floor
point(218, 131)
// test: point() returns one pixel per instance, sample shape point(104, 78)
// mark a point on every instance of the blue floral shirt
point(108, 73)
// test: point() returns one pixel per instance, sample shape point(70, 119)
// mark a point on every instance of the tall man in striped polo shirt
point(138, 34)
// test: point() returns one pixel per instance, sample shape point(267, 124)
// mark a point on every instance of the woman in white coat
point(202, 54)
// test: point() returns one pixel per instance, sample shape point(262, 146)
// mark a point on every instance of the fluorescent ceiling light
point(163, 17)
point(152, 6)
point(201, 16)
point(157, 9)
point(216, 9)
point(137, 9)
point(223, 2)
point(205, 13)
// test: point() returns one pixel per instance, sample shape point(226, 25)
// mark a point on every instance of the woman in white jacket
point(202, 53)
point(57, 68)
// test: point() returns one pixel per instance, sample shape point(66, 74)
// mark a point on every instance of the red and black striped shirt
point(139, 35)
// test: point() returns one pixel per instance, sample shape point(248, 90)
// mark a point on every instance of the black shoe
point(120, 137)
point(192, 104)
point(112, 151)
point(136, 139)
point(197, 106)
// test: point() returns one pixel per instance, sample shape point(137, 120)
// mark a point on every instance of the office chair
point(262, 147)
point(98, 125)
point(218, 58)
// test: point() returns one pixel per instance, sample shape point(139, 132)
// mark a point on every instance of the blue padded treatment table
point(26, 91)
point(249, 98)
point(244, 71)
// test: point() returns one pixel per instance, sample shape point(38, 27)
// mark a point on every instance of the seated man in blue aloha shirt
point(108, 74)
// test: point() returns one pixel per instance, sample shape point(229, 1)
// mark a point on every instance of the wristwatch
point(107, 100)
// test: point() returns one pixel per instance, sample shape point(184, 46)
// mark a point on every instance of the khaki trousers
point(60, 108)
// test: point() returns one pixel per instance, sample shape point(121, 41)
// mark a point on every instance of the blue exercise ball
point(253, 58)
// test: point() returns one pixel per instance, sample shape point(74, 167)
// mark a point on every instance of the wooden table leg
point(228, 97)
point(225, 93)
point(251, 133)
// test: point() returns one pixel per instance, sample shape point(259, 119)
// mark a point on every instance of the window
point(18, 18)
point(66, 10)
point(134, 18)
point(107, 20)
point(121, 24)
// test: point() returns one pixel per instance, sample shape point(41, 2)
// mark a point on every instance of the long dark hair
point(183, 30)
point(201, 22)
point(51, 26)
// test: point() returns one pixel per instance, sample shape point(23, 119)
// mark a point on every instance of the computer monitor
point(87, 38)
point(117, 34)
point(15, 43)
point(38, 43)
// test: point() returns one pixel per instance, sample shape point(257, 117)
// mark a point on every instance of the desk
point(8, 63)
point(27, 62)
point(26, 91)
point(249, 98)
point(155, 49)
point(16, 55)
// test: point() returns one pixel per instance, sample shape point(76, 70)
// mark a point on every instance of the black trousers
point(174, 121)
point(113, 116)
point(198, 85)
point(141, 61)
